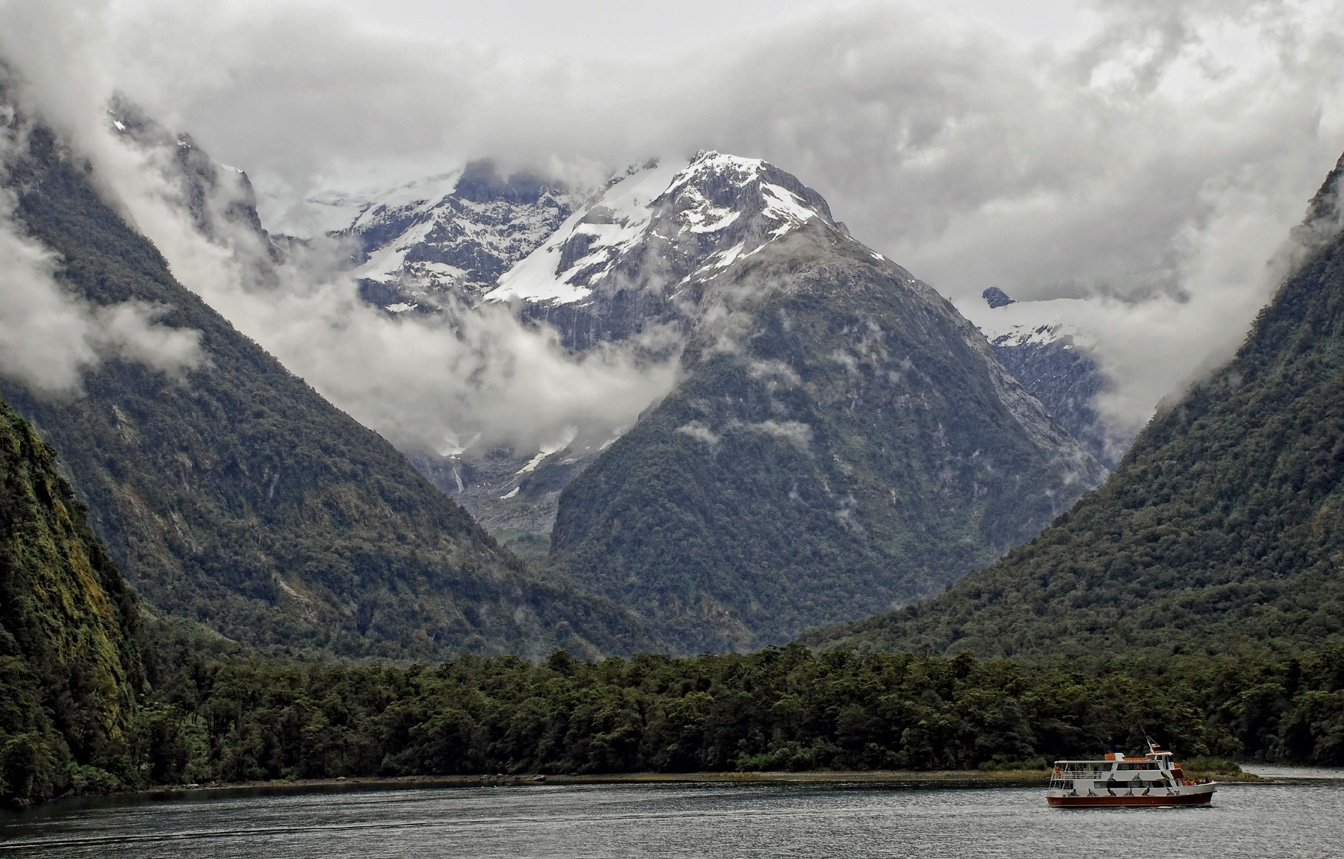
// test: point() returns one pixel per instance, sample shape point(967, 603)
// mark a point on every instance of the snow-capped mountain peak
point(716, 189)
point(453, 235)
point(1049, 346)
point(691, 219)
point(586, 245)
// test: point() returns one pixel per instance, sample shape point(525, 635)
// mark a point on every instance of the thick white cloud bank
point(474, 378)
point(1151, 153)
point(50, 337)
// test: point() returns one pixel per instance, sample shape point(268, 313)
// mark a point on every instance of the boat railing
point(1067, 772)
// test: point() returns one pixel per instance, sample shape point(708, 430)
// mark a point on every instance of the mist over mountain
point(447, 240)
point(840, 438)
point(372, 316)
point(230, 493)
point(1043, 348)
point(1219, 532)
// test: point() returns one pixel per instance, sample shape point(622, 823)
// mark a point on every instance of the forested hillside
point(1222, 530)
point(70, 648)
point(238, 497)
point(776, 709)
point(842, 441)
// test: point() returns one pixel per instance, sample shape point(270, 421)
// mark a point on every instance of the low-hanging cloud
point(471, 378)
point(1152, 161)
point(49, 338)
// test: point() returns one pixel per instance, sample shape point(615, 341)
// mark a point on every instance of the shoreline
point(910, 780)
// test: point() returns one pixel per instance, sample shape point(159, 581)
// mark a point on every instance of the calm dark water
point(1287, 820)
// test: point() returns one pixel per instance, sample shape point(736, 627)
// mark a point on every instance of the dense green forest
point(71, 669)
point(777, 709)
point(855, 447)
point(95, 700)
point(1222, 528)
point(238, 497)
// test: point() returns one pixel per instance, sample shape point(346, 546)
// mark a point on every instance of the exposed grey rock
point(1046, 356)
point(1067, 380)
point(216, 197)
point(448, 239)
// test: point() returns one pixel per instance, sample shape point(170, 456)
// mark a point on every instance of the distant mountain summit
point(841, 438)
point(996, 297)
point(1221, 531)
point(451, 237)
point(1042, 346)
point(630, 256)
point(238, 497)
point(627, 266)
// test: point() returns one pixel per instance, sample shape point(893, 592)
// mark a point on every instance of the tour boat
point(1154, 779)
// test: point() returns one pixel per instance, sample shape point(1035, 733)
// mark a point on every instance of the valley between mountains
point(825, 436)
point(497, 454)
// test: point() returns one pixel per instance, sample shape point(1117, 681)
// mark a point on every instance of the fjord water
point(1275, 820)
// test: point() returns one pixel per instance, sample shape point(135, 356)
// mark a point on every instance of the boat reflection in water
point(1154, 779)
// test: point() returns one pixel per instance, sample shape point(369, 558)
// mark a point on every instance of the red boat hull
point(1150, 801)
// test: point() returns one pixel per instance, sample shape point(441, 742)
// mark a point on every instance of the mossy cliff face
point(70, 659)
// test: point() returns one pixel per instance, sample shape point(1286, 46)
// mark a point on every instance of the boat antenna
point(1152, 746)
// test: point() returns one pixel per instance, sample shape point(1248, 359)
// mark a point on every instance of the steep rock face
point(1220, 530)
point(1048, 357)
point(843, 440)
point(238, 497)
point(450, 238)
point(215, 196)
point(621, 268)
point(70, 663)
point(623, 263)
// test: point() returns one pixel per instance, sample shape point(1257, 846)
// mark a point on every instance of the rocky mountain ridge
point(624, 261)
point(451, 237)
point(236, 496)
point(1219, 533)
point(841, 439)
point(914, 456)
point(1046, 350)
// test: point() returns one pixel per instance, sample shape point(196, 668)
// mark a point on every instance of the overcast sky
point(1044, 146)
point(1145, 153)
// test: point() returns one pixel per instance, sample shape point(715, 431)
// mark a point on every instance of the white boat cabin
point(1118, 775)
